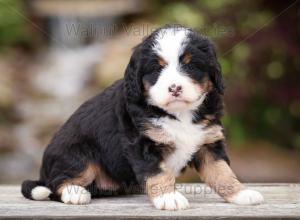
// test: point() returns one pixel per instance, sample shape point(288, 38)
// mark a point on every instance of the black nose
point(175, 90)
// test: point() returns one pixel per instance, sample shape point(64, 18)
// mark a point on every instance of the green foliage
point(180, 13)
point(12, 23)
point(275, 70)
point(235, 129)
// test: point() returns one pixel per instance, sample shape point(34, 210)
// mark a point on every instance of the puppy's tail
point(35, 190)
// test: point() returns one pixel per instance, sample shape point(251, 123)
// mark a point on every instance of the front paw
point(171, 201)
point(247, 197)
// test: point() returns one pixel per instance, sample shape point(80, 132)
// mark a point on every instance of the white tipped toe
point(171, 201)
point(247, 197)
point(76, 195)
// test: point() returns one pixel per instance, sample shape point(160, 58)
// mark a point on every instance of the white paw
point(247, 197)
point(171, 201)
point(76, 195)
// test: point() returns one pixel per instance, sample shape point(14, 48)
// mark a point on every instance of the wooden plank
point(282, 201)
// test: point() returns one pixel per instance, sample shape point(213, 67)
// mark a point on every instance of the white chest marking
point(187, 137)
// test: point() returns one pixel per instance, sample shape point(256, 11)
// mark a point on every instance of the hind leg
point(75, 194)
point(73, 191)
point(78, 190)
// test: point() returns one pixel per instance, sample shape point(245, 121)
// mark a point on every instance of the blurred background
point(55, 54)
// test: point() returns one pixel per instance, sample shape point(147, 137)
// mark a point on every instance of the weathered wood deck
point(282, 201)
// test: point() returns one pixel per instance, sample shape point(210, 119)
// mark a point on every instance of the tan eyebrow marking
point(186, 58)
point(162, 62)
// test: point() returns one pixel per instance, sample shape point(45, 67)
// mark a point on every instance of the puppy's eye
point(186, 58)
point(162, 62)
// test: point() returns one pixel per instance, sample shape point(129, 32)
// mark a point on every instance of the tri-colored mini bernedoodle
point(145, 129)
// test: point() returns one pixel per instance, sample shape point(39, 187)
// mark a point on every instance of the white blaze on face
point(169, 45)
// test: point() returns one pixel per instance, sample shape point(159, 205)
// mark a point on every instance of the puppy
point(145, 129)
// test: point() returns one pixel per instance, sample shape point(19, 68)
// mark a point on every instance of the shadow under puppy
point(145, 129)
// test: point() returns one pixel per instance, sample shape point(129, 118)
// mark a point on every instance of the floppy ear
point(216, 75)
point(133, 85)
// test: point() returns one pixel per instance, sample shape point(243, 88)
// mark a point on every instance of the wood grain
point(282, 201)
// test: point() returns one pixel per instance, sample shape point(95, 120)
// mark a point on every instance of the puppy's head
point(174, 68)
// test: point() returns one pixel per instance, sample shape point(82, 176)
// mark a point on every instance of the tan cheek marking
point(208, 86)
point(199, 89)
point(218, 175)
point(162, 62)
point(205, 86)
point(160, 184)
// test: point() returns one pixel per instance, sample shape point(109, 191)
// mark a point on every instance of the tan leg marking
point(218, 175)
point(73, 190)
point(161, 190)
point(160, 184)
point(104, 181)
point(86, 177)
